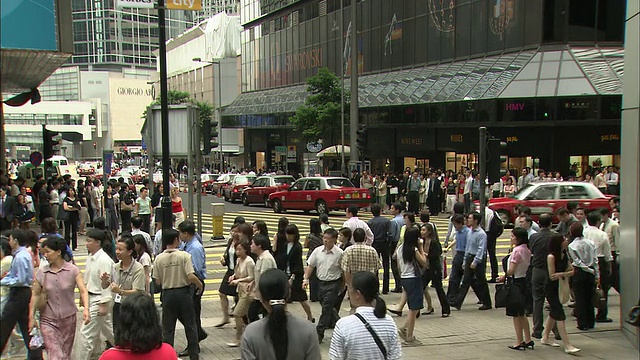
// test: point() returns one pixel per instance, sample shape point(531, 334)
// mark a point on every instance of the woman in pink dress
point(58, 318)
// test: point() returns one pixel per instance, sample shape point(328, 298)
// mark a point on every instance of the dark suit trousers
point(457, 270)
point(177, 304)
point(583, 285)
point(539, 278)
point(382, 248)
point(328, 296)
point(493, 260)
point(394, 265)
point(605, 284)
point(16, 311)
point(470, 275)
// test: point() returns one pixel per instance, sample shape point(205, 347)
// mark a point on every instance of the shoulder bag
point(41, 304)
point(375, 336)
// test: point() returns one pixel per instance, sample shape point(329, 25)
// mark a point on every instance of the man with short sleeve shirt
point(19, 280)
point(475, 264)
point(191, 245)
point(265, 261)
point(99, 265)
point(326, 261)
point(605, 260)
point(612, 229)
point(354, 223)
point(173, 270)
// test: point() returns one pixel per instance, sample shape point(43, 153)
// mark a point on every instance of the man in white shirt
point(526, 223)
point(612, 229)
point(466, 194)
point(326, 260)
point(98, 267)
point(600, 182)
point(136, 224)
point(354, 223)
point(265, 261)
point(612, 181)
point(603, 252)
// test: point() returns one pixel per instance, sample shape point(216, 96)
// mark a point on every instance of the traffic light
point(361, 139)
point(497, 155)
point(209, 135)
point(51, 141)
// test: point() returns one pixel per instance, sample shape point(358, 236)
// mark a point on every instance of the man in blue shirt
point(394, 236)
point(474, 265)
point(191, 245)
point(457, 264)
point(19, 280)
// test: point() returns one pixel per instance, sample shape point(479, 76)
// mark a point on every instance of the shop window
point(611, 107)
point(582, 20)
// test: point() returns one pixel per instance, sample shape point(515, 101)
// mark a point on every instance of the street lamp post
point(219, 107)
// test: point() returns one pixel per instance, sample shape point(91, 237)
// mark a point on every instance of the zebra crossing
point(215, 270)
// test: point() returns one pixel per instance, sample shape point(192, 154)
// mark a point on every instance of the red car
point(322, 194)
point(233, 190)
point(259, 191)
point(548, 197)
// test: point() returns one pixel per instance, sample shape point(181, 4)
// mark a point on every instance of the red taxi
point(259, 191)
point(322, 194)
point(548, 197)
point(233, 190)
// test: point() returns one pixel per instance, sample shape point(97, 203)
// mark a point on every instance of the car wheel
point(266, 202)
point(245, 200)
point(321, 207)
point(504, 216)
point(277, 206)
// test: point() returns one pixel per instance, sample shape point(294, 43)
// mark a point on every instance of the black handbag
point(502, 291)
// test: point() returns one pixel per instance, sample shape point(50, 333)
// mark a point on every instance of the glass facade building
point(105, 35)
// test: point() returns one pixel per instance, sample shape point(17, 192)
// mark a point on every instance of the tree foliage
point(320, 115)
point(176, 97)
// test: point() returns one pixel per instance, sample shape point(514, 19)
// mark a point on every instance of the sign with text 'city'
point(171, 4)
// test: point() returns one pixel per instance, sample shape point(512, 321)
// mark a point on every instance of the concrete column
point(630, 173)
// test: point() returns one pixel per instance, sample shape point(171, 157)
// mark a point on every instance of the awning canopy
point(568, 71)
point(334, 150)
point(228, 149)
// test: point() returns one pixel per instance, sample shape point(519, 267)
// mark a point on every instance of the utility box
point(217, 217)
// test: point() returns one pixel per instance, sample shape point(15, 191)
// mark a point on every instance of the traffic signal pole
point(164, 115)
point(483, 170)
point(353, 114)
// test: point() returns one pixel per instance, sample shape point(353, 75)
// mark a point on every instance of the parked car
point(233, 190)
point(207, 181)
point(259, 191)
point(548, 197)
point(222, 181)
point(322, 194)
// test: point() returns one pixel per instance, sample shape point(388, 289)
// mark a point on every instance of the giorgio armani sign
point(134, 91)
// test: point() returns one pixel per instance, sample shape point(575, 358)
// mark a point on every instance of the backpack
point(497, 227)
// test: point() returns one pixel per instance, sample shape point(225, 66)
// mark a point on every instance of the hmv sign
point(514, 106)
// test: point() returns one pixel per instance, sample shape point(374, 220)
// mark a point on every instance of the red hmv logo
point(514, 106)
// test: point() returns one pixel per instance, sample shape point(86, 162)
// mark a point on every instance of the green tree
point(175, 97)
point(320, 115)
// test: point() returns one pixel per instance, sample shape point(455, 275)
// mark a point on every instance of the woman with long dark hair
point(295, 269)
point(516, 274)
point(111, 210)
point(280, 335)
point(71, 205)
point(410, 257)
point(139, 334)
point(279, 244)
point(144, 258)
point(559, 269)
point(260, 227)
point(311, 242)
point(348, 341)
point(433, 272)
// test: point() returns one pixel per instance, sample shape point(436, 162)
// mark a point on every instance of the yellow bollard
point(217, 218)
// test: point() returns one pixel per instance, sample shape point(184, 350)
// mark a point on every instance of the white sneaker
point(572, 350)
point(412, 342)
